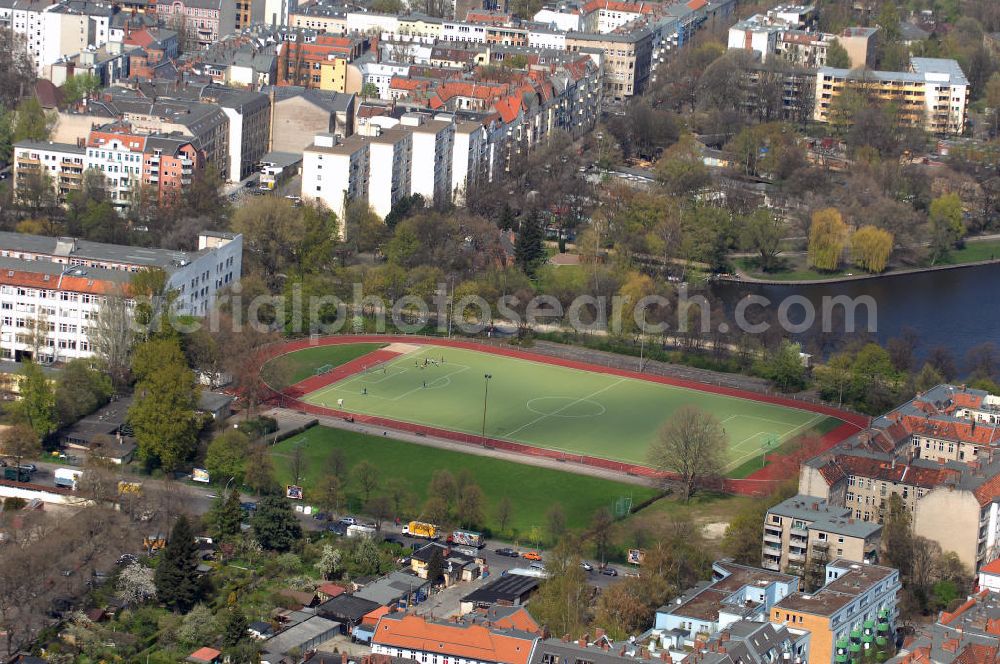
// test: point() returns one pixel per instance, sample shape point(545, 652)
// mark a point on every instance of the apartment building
point(737, 592)
point(298, 114)
point(203, 22)
point(804, 531)
point(319, 17)
point(437, 642)
point(433, 145)
point(51, 289)
point(53, 29)
point(627, 59)
point(933, 94)
point(62, 163)
point(471, 161)
point(855, 597)
point(249, 115)
point(936, 453)
point(391, 153)
point(320, 64)
point(336, 173)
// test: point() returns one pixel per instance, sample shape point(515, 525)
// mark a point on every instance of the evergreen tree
point(275, 525)
point(177, 582)
point(435, 566)
point(234, 627)
point(529, 250)
point(227, 515)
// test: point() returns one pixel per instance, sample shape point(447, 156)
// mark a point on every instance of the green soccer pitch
point(549, 406)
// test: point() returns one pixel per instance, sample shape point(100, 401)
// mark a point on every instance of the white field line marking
point(569, 405)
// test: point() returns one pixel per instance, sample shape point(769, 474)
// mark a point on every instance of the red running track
point(759, 483)
point(357, 365)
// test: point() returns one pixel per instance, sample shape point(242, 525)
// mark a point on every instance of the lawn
point(303, 363)
point(531, 490)
point(973, 251)
point(553, 407)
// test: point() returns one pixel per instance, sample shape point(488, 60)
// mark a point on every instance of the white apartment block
point(336, 173)
point(380, 75)
point(433, 144)
point(470, 161)
point(372, 23)
point(63, 163)
point(52, 30)
point(460, 31)
point(120, 161)
point(566, 19)
point(391, 157)
point(51, 289)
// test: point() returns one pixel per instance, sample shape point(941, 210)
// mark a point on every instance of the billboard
point(293, 492)
point(200, 475)
point(636, 556)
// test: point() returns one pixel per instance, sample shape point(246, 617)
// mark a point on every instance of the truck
point(421, 529)
point(467, 538)
point(67, 478)
point(17, 474)
point(359, 530)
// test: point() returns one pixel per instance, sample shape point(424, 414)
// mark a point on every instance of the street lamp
point(486, 394)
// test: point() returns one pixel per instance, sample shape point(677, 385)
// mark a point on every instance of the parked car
point(321, 516)
point(339, 528)
point(349, 520)
point(531, 555)
point(30, 467)
point(510, 553)
point(587, 566)
point(248, 507)
point(609, 571)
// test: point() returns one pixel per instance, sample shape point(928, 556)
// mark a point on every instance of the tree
point(870, 248)
point(691, 445)
point(336, 463)
point(555, 519)
point(227, 514)
point(234, 627)
point(784, 367)
point(600, 529)
point(837, 56)
point(444, 486)
point(112, 337)
point(135, 584)
point(330, 562)
point(379, 507)
point(897, 536)
point(529, 248)
point(435, 566)
point(226, 456)
point(163, 415)
point(927, 378)
point(178, 584)
point(562, 600)
point(31, 122)
point(469, 510)
point(80, 86)
point(762, 233)
point(827, 239)
point(36, 405)
point(621, 610)
point(274, 524)
point(258, 471)
point(20, 442)
point(80, 390)
point(945, 222)
point(329, 493)
point(504, 513)
point(366, 475)
point(681, 170)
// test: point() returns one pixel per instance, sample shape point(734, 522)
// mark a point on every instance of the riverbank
point(977, 251)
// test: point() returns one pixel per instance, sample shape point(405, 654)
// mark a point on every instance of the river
point(957, 309)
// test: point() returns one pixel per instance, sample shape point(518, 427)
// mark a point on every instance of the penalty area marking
point(557, 411)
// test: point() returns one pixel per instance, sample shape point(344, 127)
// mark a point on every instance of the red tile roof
point(411, 632)
point(695, 5)
point(976, 653)
point(508, 108)
point(988, 490)
point(992, 567)
point(205, 655)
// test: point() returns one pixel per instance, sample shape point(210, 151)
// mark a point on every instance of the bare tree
point(690, 445)
point(112, 336)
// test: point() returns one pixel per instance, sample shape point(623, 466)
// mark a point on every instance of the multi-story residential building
point(804, 531)
point(249, 115)
point(737, 592)
point(53, 29)
point(933, 94)
point(627, 59)
point(51, 289)
point(470, 164)
point(936, 454)
point(380, 75)
point(319, 17)
point(436, 642)
point(854, 594)
point(861, 45)
point(433, 145)
point(200, 22)
point(298, 114)
point(391, 154)
point(62, 163)
point(320, 64)
point(335, 172)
